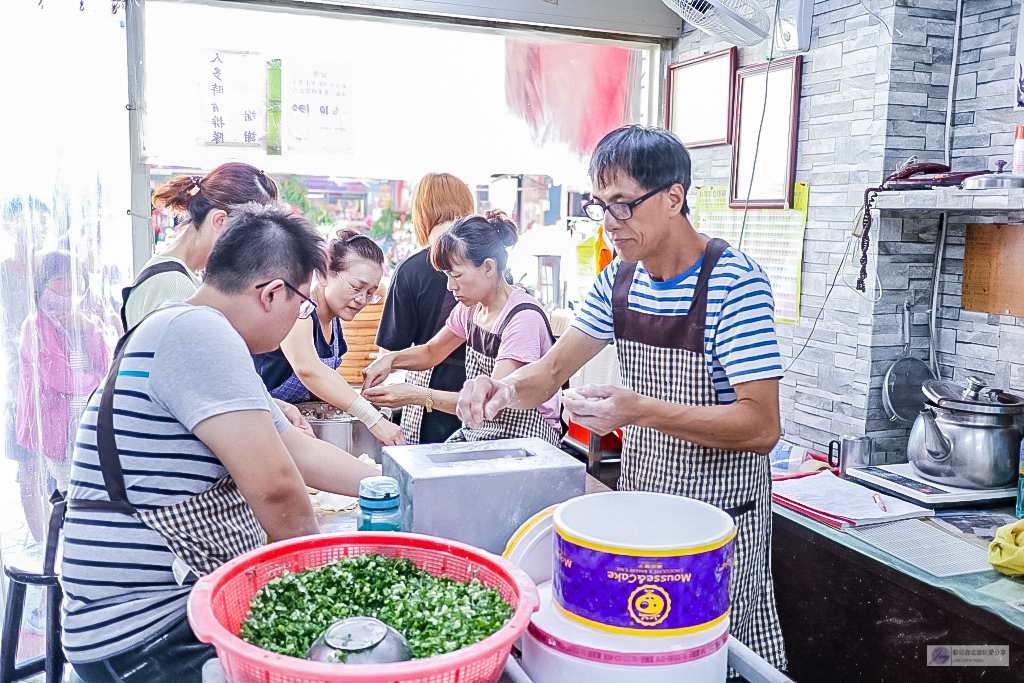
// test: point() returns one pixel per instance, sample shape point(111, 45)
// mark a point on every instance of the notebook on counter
point(841, 503)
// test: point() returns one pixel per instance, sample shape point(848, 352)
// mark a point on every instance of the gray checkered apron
point(203, 531)
point(481, 357)
point(412, 415)
point(662, 356)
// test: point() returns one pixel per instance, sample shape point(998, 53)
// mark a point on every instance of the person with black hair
point(183, 460)
point(503, 327)
point(692, 322)
point(309, 356)
point(202, 204)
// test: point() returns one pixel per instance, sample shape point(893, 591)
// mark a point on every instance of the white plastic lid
point(640, 520)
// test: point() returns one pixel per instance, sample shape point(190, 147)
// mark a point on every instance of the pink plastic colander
point(220, 601)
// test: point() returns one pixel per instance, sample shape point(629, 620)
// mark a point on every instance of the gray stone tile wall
point(868, 102)
point(842, 133)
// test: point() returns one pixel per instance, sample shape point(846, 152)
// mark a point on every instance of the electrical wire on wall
point(760, 125)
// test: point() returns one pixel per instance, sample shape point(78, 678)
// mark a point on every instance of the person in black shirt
point(418, 303)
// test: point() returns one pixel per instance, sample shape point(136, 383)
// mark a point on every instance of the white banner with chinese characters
point(233, 97)
point(316, 107)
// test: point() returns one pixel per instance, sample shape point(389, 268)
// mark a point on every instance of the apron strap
point(686, 331)
point(741, 510)
point(487, 343)
point(106, 445)
point(712, 253)
point(155, 269)
point(526, 306)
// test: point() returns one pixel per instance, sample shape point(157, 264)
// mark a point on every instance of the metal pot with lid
point(967, 436)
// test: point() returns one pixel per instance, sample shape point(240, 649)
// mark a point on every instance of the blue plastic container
point(1020, 485)
point(378, 505)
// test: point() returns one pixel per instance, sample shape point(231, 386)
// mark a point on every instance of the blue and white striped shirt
point(739, 337)
point(183, 365)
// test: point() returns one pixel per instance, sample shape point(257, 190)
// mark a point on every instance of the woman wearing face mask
point(63, 357)
point(503, 327)
point(202, 204)
point(309, 356)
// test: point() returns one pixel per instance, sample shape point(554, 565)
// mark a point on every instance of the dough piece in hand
point(574, 395)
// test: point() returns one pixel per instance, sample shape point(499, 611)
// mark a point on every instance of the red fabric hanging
point(570, 92)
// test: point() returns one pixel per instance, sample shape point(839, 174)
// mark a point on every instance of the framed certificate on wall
point(764, 129)
point(700, 99)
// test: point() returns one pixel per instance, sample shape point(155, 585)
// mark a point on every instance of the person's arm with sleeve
point(329, 385)
point(533, 384)
point(202, 374)
point(324, 466)
point(248, 445)
point(747, 349)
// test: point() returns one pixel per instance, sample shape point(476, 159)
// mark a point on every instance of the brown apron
point(662, 356)
point(481, 357)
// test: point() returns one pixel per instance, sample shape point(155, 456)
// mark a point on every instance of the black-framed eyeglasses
point(307, 306)
point(620, 211)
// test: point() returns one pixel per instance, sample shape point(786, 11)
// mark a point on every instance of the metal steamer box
point(480, 492)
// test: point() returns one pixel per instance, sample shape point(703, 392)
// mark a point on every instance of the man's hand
point(604, 408)
point(483, 398)
point(294, 416)
point(396, 395)
point(377, 371)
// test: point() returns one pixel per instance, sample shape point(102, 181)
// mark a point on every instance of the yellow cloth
point(1006, 552)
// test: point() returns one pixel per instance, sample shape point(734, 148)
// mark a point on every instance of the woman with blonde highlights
point(418, 304)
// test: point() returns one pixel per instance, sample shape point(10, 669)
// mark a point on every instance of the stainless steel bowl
point(993, 181)
point(337, 427)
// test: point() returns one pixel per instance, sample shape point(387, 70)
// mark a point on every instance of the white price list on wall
point(316, 107)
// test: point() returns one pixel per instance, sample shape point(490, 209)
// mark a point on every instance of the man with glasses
point(188, 409)
point(691, 320)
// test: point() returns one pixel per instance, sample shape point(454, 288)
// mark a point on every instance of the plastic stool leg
point(54, 651)
point(13, 613)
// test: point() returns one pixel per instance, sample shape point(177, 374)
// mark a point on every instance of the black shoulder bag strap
point(155, 269)
point(106, 445)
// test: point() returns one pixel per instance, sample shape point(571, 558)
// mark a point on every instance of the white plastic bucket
point(530, 547)
point(557, 649)
point(641, 563)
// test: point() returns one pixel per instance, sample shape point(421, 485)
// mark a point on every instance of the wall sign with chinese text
point(316, 107)
point(233, 99)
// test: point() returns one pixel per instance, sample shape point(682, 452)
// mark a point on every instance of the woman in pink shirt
point(504, 329)
point(63, 359)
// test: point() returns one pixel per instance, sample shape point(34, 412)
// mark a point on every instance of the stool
point(23, 571)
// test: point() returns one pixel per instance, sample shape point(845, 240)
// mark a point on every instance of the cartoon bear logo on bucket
point(649, 605)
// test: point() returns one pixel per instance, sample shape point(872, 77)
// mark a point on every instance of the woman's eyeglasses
point(363, 295)
point(307, 306)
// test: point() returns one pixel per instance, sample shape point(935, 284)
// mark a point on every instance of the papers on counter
point(926, 547)
point(840, 503)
